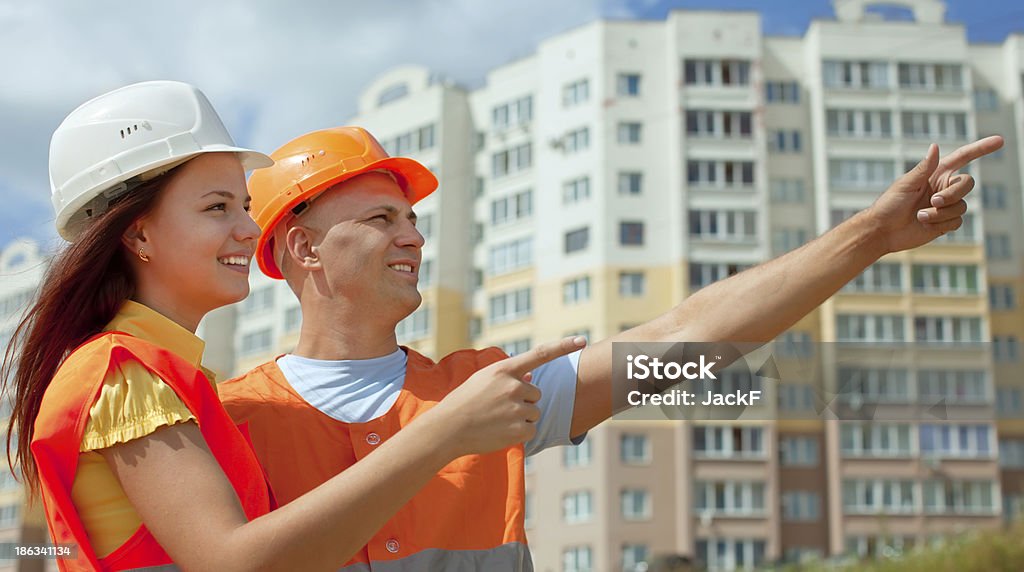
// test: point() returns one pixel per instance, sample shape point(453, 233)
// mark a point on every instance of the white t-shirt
point(357, 391)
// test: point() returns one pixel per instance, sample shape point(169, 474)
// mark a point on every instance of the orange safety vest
point(64, 412)
point(468, 517)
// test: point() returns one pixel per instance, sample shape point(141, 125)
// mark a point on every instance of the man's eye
point(218, 207)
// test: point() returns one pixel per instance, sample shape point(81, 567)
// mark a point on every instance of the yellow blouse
point(133, 403)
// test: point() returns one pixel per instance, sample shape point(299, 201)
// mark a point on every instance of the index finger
point(961, 157)
point(527, 361)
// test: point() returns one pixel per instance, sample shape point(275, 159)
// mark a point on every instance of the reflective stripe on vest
point(468, 517)
point(64, 412)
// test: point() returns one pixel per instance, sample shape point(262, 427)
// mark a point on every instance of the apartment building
point(592, 185)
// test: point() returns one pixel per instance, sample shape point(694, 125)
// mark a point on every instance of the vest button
point(392, 546)
point(372, 438)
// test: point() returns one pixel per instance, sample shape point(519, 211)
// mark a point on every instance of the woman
point(150, 191)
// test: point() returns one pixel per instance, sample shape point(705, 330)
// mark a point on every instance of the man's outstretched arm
point(759, 304)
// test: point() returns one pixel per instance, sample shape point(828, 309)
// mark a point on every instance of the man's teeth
point(237, 260)
point(402, 267)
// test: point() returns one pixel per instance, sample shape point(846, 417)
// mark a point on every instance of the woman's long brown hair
point(84, 287)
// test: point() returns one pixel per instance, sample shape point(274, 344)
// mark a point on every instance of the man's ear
point(301, 249)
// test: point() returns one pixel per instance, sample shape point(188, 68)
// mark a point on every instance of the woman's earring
point(142, 255)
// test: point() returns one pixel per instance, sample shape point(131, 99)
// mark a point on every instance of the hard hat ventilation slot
point(307, 159)
point(129, 130)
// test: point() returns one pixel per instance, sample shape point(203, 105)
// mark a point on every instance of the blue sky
point(274, 72)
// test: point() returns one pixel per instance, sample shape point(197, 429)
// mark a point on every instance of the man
point(337, 224)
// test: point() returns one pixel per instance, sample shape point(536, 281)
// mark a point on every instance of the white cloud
point(273, 70)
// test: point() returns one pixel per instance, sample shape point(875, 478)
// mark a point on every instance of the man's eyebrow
point(391, 210)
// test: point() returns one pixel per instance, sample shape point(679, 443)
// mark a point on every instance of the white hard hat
point(129, 135)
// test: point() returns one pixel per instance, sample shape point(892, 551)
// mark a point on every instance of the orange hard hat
point(312, 163)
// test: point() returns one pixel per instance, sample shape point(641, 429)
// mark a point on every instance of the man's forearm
point(759, 304)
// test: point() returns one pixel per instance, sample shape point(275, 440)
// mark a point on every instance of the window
point(870, 496)
point(874, 175)
point(512, 208)
point(786, 239)
point(944, 77)
point(408, 142)
point(1011, 453)
point(879, 277)
point(576, 190)
point(577, 140)
point(796, 397)
point(944, 329)
point(720, 173)
point(730, 553)
point(838, 216)
point(945, 279)
point(703, 274)
point(631, 233)
point(634, 557)
point(634, 449)
point(856, 74)
point(293, 319)
point(636, 504)
point(629, 132)
point(1005, 348)
point(858, 123)
point(576, 291)
point(577, 456)
point(997, 246)
point(628, 85)
point(425, 224)
point(873, 384)
point(515, 347)
point(513, 160)
point(1008, 401)
point(631, 284)
point(794, 345)
point(1001, 297)
point(576, 507)
point(787, 191)
point(963, 235)
point(718, 124)
point(986, 100)
point(510, 256)
point(509, 306)
point(10, 515)
point(575, 93)
point(782, 92)
point(577, 559)
point(798, 451)
point(993, 197)
point(631, 182)
point(415, 326)
point(260, 300)
point(716, 72)
point(875, 440)
point(955, 440)
point(426, 273)
point(955, 386)
point(934, 125)
point(959, 497)
point(784, 141)
point(869, 328)
point(392, 93)
point(801, 506)
point(512, 113)
point(739, 498)
point(723, 225)
point(576, 240)
point(724, 441)
point(256, 342)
